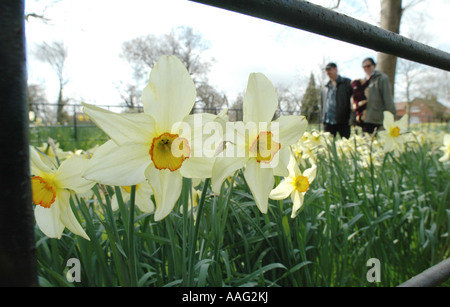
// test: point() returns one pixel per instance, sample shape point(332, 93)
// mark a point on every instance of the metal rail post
point(17, 246)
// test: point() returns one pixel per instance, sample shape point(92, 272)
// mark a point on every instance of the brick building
point(424, 111)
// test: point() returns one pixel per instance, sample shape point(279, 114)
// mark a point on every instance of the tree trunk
point(17, 247)
point(60, 116)
point(390, 17)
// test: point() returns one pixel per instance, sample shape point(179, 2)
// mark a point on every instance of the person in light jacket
point(379, 98)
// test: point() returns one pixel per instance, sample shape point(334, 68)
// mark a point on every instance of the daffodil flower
point(193, 205)
point(394, 130)
point(51, 188)
point(264, 151)
point(142, 199)
point(154, 145)
point(313, 139)
point(296, 184)
point(49, 156)
point(446, 149)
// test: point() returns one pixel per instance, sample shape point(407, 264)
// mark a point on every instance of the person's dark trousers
point(370, 128)
point(342, 129)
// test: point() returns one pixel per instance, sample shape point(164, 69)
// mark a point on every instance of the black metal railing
point(314, 18)
point(18, 261)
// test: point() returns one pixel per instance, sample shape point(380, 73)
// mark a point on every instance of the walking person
point(379, 98)
point(335, 100)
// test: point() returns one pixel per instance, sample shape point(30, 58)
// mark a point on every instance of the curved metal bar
point(431, 277)
point(317, 19)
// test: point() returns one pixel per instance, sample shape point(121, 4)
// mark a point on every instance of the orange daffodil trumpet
point(155, 145)
point(296, 184)
point(51, 188)
point(258, 143)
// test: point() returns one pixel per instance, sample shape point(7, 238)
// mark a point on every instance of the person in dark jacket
point(379, 98)
point(335, 100)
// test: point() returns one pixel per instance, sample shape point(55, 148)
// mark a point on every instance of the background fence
point(79, 132)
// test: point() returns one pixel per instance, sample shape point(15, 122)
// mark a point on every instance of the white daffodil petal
point(239, 137)
point(311, 173)
point(166, 186)
point(69, 174)
point(115, 203)
point(444, 158)
point(170, 93)
point(223, 168)
point(403, 123)
point(280, 162)
point(67, 217)
point(446, 140)
point(294, 171)
point(260, 181)
point(290, 129)
point(388, 120)
point(143, 198)
point(48, 220)
point(283, 190)
point(260, 101)
point(445, 148)
point(388, 144)
point(121, 166)
point(123, 128)
point(197, 167)
point(203, 133)
point(38, 167)
point(297, 202)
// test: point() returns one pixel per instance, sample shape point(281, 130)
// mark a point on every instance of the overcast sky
point(94, 30)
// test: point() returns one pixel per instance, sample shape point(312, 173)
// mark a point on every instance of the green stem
point(187, 270)
point(131, 249)
point(91, 232)
point(372, 177)
point(197, 227)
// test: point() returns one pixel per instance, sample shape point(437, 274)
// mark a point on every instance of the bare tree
point(55, 54)
point(391, 15)
point(211, 100)
point(390, 18)
point(37, 103)
point(130, 95)
point(288, 99)
point(189, 46)
point(338, 2)
point(41, 14)
point(410, 74)
point(235, 112)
